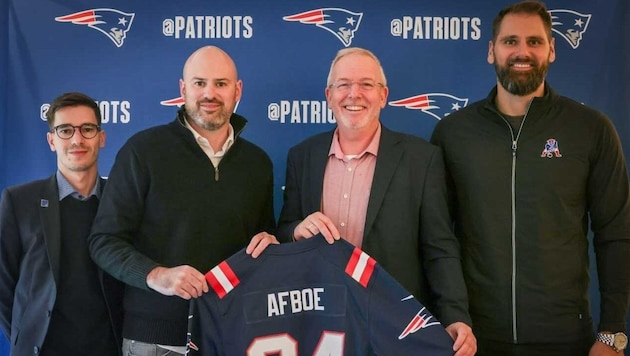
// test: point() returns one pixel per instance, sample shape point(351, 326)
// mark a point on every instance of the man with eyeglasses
point(53, 299)
point(382, 191)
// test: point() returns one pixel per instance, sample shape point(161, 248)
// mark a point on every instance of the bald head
point(210, 56)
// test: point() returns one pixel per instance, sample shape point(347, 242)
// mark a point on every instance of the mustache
point(523, 60)
point(209, 101)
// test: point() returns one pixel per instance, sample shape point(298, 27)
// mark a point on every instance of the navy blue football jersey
point(310, 298)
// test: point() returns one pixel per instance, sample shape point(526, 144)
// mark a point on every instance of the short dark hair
point(529, 7)
point(71, 99)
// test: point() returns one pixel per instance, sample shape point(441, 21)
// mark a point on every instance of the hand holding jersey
point(186, 282)
point(314, 224)
point(183, 281)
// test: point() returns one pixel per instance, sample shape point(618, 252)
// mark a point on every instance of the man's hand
point(465, 342)
point(259, 243)
point(182, 281)
point(314, 224)
point(601, 349)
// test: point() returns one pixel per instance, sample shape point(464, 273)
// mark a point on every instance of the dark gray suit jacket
point(30, 243)
point(407, 227)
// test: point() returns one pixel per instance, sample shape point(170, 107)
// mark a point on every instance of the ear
point(552, 50)
point(182, 88)
point(101, 138)
point(490, 52)
point(384, 93)
point(50, 137)
point(239, 90)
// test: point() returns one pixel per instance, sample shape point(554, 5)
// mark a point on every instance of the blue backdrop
point(129, 56)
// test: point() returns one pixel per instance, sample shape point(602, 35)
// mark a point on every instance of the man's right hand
point(314, 224)
point(183, 281)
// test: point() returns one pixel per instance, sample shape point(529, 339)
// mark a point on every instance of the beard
point(212, 121)
point(521, 83)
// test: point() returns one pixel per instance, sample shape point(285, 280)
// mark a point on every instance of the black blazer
point(407, 227)
point(30, 242)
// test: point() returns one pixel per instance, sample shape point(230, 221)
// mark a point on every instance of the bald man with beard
point(181, 198)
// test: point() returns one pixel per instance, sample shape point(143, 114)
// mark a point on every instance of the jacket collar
point(539, 105)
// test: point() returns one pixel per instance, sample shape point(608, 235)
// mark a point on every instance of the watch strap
point(606, 338)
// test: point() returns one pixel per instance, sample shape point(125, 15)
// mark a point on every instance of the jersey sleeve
point(399, 324)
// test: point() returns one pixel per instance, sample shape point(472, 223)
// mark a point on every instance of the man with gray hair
point(382, 191)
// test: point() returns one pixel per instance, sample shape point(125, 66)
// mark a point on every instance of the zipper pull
point(514, 148)
point(216, 174)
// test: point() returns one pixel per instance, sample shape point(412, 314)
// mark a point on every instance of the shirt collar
point(65, 188)
point(372, 148)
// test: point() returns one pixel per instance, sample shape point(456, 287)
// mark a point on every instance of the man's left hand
point(465, 341)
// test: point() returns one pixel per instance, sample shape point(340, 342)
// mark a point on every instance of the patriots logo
point(191, 346)
point(569, 24)
point(113, 23)
point(419, 321)
point(179, 101)
point(551, 149)
point(340, 22)
point(438, 105)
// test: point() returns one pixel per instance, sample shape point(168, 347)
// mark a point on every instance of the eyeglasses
point(66, 131)
point(364, 85)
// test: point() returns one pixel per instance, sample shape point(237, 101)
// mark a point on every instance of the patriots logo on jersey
point(438, 105)
point(569, 24)
point(112, 23)
point(420, 321)
point(191, 345)
point(340, 22)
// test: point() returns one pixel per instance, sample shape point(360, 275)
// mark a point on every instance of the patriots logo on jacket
point(551, 149)
point(438, 105)
point(340, 22)
point(569, 24)
point(112, 23)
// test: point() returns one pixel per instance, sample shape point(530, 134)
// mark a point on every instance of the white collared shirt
point(215, 157)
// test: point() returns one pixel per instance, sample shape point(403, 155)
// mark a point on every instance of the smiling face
point(521, 54)
point(210, 88)
point(76, 154)
point(357, 106)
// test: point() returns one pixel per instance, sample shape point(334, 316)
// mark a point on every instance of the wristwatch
point(618, 341)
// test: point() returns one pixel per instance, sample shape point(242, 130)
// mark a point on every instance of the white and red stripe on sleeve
point(222, 279)
point(360, 266)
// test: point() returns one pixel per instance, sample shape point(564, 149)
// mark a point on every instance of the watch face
point(620, 341)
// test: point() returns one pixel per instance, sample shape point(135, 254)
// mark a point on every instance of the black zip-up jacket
point(521, 205)
point(165, 204)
